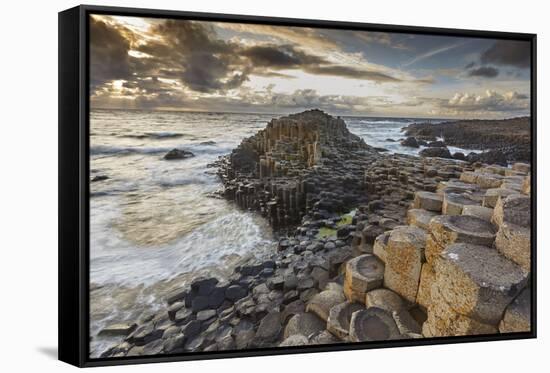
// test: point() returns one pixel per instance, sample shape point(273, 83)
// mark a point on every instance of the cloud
point(509, 53)
point(280, 56)
point(109, 58)
point(489, 101)
point(484, 72)
point(470, 65)
point(432, 53)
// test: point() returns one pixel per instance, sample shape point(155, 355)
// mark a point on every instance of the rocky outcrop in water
point(303, 162)
point(433, 247)
point(512, 137)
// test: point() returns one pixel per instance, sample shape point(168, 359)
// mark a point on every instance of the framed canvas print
point(234, 186)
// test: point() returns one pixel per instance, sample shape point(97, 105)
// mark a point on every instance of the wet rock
point(183, 315)
point(410, 142)
point(178, 154)
point(404, 257)
point(339, 319)
point(235, 292)
point(436, 152)
point(459, 155)
point(145, 334)
point(322, 303)
point(436, 144)
point(477, 281)
point(191, 329)
point(305, 324)
point(517, 317)
point(99, 178)
point(363, 274)
point(243, 333)
point(205, 315)
point(204, 286)
point(121, 329)
point(269, 329)
point(200, 303)
point(372, 324)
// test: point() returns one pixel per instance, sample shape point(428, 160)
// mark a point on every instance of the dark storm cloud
point(280, 56)
point(109, 58)
point(507, 52)
point(193, 54)
point(470, 65)
point(484, 72)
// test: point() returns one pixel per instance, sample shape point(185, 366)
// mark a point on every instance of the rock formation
point(435, 247)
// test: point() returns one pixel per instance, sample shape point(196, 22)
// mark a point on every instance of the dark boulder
point(460, 156)
point(410, 142)
point(436, 144)
point(493, 157)
point(436, 152)
point(178, 154)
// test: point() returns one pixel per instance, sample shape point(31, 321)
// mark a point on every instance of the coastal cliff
point(371, 247)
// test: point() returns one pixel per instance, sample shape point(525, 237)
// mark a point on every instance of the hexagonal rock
point(521, 167)
point(294, 340)
point(477, 281)
point(487, 181)
point(514, 209)
point(324, 337)
point(406, 324)
point(492, 195)
point(322, 303)
point(269, 329)
point(419, 217)
point(427, 278)
point(455, 186)
point(453, 203)
point(384, 299)
point(363, 273)
point(340, 317)
point(526, 185)
point(517, 317)
point(428, 201)
point(443, 321)
point(481, 212)
point(469, 177)
point(447, 229)
point(379, 248)
point(405, 253)
point(305, 324)
point(373, 324)
point(514, 242)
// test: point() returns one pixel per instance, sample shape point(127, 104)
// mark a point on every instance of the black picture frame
point(74, 188)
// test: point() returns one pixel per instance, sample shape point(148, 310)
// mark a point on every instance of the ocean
point(155, 224)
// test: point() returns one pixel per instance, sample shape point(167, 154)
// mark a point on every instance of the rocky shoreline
point(372, 246)
point(508, 140)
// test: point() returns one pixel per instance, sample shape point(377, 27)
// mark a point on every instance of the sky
point(168, 64)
